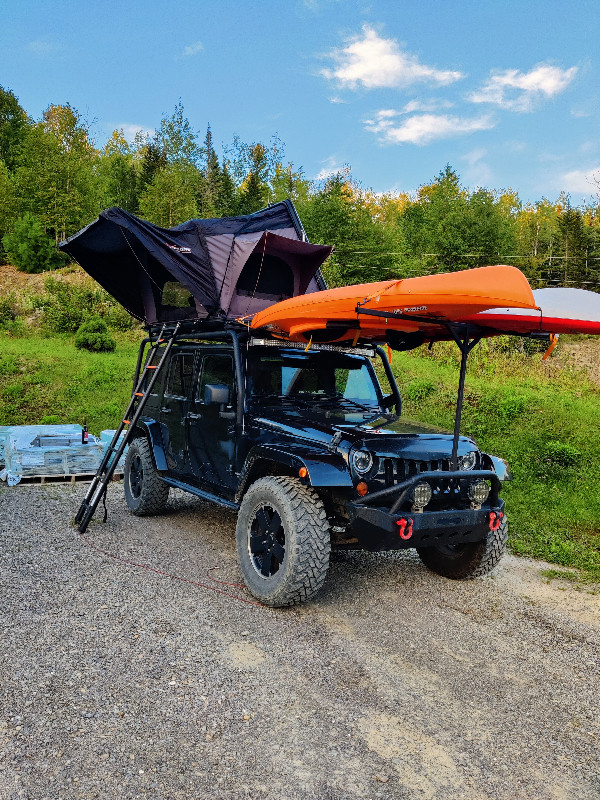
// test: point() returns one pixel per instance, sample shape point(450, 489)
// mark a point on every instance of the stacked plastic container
point(47, 450)
point(106, 438)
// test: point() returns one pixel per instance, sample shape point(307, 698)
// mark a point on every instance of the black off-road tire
point(283, 541)
point(145, 493)
point(466, 561)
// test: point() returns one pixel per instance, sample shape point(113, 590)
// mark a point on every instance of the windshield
point(312, 377)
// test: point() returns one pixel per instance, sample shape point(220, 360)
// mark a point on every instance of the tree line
point(54, 180)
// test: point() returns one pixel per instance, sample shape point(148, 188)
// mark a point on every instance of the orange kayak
point(332, 316)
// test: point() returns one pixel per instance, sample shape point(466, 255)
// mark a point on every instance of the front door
point(211, 426)
point(173, 413)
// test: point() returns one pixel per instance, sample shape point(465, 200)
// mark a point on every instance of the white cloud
point(131, 130)
point(478, 172)
point(582, 181)
point(520, 91)
point(338, 100)
point(331, 166)
point(41, 48)
point(475, 156)
point(425, 105)
point(370, 61)
point(580, 112)
point(422, 129)
point(192, 49)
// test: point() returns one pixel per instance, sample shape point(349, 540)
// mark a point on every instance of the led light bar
point(361, 351)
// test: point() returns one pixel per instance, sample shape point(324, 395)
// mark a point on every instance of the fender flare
point(324, 468)
point(151, 429)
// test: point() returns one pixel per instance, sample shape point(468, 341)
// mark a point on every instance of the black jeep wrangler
point(304, 445)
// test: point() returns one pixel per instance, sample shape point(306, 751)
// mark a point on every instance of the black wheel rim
point(453, 551)
point(266, 541)
point(136, 476)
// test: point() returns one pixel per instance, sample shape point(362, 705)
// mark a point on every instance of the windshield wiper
point(293, 399)
point(339, 398)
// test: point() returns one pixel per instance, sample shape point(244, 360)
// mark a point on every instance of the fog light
point(479, 492)
point(362, 461)
point(422, 494)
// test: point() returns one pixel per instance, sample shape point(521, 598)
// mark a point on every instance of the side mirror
point(216, 394)
point(389, 400)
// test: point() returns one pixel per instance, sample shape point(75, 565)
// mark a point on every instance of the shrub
point(93, 335)
point(67, 306)
point(8, 309)
point(29, 248)
point(561, 454)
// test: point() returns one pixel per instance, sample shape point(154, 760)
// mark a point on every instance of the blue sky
point(506, 92)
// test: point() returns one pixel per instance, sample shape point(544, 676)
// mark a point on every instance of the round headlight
point(479, 492)
point(362, 461)
point(468, 461)
point(422, 494)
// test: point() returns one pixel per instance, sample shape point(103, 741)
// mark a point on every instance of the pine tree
point(13, 128)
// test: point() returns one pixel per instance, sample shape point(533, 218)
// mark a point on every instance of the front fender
point(499, 465)
point(324, 468)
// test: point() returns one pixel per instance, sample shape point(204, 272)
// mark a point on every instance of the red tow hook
point(495, 520)
point(406, 529)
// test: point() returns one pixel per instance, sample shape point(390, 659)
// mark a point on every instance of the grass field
point(45, 379)
point(543, 418)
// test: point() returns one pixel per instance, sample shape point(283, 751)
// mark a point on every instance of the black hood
point(387, 435)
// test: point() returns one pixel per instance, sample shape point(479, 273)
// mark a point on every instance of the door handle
point(194, 416)
point(166, 410)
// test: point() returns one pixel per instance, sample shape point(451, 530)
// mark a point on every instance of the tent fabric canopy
point(228, 267)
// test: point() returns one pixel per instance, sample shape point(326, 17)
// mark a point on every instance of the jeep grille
point(395, 470)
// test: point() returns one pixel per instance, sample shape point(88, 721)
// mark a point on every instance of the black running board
point(212, 498)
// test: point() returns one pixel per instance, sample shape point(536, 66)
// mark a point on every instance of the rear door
point(175, 406)
point(211, 426)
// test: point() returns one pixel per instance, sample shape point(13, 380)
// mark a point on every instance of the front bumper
point(378, 522)
point(377, 529)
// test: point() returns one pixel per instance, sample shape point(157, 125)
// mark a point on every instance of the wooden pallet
point(80, 477)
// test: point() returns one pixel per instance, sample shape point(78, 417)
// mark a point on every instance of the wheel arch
point(152, 431)
point(323, 469)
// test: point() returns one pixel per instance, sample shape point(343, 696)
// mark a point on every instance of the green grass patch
point(47, 380)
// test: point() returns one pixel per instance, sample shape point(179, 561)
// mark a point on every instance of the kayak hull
point(335, 315)
point(560, 310)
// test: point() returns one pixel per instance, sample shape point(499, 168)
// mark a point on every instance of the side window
point(216, 369)
point(180, 375)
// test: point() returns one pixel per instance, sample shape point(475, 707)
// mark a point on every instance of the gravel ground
point(118, 682)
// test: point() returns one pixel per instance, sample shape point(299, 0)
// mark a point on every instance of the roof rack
point(361, 351)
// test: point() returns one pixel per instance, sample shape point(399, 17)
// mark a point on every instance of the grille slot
point(396, 470)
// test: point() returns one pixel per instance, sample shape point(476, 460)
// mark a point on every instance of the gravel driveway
point(119, 682)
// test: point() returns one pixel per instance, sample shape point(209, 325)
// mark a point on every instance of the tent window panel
point(268, 277)
point(175, 295)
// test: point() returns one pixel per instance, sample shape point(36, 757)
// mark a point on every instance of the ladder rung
point(107, 467)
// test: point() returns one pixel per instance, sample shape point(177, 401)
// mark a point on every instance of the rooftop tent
point(232, 266)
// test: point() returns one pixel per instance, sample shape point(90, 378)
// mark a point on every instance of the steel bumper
point(377, 529)
point(378, 523)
